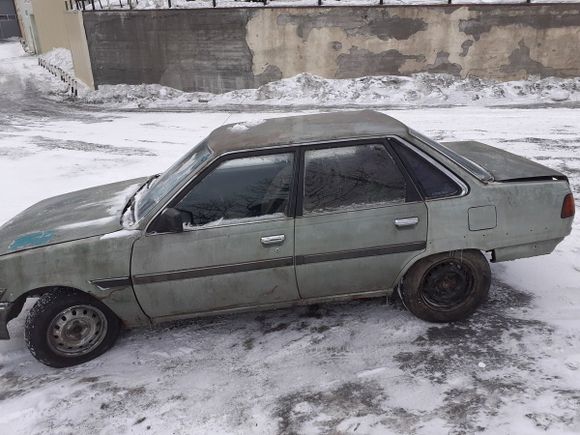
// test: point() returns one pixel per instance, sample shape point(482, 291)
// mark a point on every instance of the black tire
point(447, 287)
point(66, 327)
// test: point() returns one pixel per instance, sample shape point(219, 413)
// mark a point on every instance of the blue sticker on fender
point(31, 240)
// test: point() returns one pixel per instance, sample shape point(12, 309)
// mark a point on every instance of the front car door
point(237, 247)
point(360, 219)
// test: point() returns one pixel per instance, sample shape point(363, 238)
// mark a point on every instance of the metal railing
point(104, 5)
point(64, 76)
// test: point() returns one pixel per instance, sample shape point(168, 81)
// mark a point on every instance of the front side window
point(240, 189)
point(351, 177)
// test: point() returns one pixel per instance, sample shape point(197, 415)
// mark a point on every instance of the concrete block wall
point(219, 50)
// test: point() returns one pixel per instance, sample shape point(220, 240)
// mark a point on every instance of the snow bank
point(373, 91)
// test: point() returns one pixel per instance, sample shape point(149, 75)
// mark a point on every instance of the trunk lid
point(502, 165)
point(72, 216)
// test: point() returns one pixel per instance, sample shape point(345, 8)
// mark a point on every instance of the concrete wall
point(219, 50)
point(48, 20)
point(24, 13)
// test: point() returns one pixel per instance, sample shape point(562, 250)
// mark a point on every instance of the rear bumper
point(4, 311)
point(523, 251)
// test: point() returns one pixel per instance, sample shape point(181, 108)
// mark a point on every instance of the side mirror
point(169, 221)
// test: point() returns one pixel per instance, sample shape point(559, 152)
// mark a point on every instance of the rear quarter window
point(433, 183)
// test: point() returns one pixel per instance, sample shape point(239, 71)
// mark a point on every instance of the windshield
point(466, 164)
point(158, 188)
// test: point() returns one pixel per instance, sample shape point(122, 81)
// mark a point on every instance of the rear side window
point(351, 177)
point(432, 182)
point(240, 189)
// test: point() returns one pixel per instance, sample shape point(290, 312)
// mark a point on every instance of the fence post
point(448, 2)
point(169, 4)
point(214, 3)
point(319, 2)
point(381, 2)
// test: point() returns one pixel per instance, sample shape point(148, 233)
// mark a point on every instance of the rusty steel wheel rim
point(447, 285)
point(77, 330)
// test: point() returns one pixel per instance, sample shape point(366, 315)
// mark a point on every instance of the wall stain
point(520, 60)
point(488, 19)
point(336, 45)
point(270, 74)
point(465, 46)
point(443, 66)
point(361, 62)
point(356, 22)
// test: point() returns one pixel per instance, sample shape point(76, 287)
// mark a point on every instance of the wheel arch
point(18, 303)
point(422, 256)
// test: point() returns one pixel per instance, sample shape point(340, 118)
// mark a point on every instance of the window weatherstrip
point(464, 163)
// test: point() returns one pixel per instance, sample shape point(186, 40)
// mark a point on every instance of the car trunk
point(502, 165)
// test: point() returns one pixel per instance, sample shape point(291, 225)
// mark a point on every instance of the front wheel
point(447, 287)
point(66, 328)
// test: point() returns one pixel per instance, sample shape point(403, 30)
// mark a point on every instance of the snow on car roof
point(303, 129)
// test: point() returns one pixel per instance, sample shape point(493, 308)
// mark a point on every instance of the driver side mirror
point(169, 221)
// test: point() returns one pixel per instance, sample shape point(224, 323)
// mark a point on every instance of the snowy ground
point(355, 368)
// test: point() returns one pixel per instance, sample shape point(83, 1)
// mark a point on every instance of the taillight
point(568, 207)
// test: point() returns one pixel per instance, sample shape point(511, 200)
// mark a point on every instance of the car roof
point(296, 130)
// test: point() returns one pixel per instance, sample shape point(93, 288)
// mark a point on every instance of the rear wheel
point(447, 287)
point(66, 327)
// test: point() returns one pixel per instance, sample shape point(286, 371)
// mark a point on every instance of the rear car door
point(237, 247)
point(360, 219)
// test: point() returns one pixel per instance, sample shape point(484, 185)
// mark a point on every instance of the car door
point(360, 219)
point(237, 247)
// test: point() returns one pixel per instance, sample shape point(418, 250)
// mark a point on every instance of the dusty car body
point(145, 251)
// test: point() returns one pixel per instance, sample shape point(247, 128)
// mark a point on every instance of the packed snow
point(360, 367)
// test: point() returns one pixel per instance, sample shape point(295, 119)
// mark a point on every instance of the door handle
point(273, 240)
point(406, 222)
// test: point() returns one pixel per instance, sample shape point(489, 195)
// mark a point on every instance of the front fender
point(80, 265)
